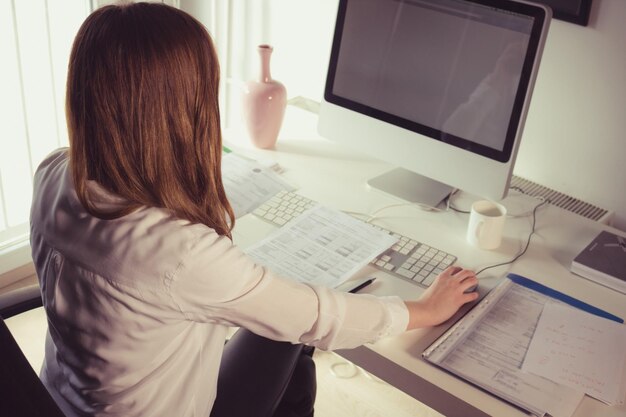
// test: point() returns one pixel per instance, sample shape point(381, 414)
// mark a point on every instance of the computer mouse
point(471, 289)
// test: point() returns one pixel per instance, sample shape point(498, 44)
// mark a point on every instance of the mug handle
point(479, 228)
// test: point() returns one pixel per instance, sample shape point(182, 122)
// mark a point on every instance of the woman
point(131, 239)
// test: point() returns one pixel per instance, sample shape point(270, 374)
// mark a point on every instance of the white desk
point(336, 176)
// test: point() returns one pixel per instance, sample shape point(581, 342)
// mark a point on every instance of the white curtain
point(35, 40)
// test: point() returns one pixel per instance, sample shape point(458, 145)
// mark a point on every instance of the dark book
point(603, 261)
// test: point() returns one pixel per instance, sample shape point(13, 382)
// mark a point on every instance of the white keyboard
point(408, 259)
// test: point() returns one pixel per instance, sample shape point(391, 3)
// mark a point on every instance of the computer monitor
point(438, 88)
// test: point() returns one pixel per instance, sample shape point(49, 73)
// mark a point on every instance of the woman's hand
point(442, 298)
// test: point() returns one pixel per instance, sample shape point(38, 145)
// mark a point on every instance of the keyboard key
point(428, 280)
point(405, 273)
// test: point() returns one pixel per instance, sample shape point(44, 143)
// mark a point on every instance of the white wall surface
point(575, 135)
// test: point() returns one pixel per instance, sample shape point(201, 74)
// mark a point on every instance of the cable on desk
point(374, 216)
point(532, 232)
point(421, 206)
point(449, 206)
point(370, 217)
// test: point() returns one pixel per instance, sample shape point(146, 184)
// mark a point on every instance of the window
point(35, 40)
point(299, 30)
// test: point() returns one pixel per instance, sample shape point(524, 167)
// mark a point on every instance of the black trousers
point(259, 377)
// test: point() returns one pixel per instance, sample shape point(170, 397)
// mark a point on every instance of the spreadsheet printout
point(322, 246)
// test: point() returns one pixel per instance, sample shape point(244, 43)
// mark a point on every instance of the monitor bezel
point(581, 17)
point(538, 15)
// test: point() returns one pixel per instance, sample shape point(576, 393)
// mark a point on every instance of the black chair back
point(21, 391)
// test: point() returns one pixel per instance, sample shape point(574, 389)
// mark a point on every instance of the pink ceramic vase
point(264, 102)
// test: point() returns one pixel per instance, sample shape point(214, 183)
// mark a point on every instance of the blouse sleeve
point(218, 283)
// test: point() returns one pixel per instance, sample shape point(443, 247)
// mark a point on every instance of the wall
point(575, 135)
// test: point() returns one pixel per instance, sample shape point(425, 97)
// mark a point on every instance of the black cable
point(532, 232)
point(458, 210)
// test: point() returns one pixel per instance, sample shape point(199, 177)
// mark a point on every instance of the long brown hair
point(142, 113)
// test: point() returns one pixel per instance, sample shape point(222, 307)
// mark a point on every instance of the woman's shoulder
point(55, 158)
point(53, 165)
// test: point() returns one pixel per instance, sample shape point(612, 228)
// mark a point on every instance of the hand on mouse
point(442, 298)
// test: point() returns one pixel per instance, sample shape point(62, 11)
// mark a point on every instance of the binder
point(487, 346)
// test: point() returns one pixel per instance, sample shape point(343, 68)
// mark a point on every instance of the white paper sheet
point(248, 183)
point(579, 350)
point(322, 246)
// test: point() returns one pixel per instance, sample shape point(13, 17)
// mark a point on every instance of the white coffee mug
point(486, 223)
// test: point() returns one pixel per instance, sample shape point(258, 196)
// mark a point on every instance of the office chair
point(21, 391)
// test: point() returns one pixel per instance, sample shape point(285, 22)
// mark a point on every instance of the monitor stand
point(411, 187)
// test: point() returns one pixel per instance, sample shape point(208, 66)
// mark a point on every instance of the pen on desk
point(362, 285)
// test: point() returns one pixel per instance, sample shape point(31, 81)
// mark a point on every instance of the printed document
point(249, 184)
point(322, 246)
point(581, 351)
point(487, 347)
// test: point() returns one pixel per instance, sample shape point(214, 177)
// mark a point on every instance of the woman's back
point(114, 320)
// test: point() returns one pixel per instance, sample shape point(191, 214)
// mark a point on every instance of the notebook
point(603, 261)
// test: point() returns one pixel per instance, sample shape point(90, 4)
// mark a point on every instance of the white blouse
point(139, 307)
